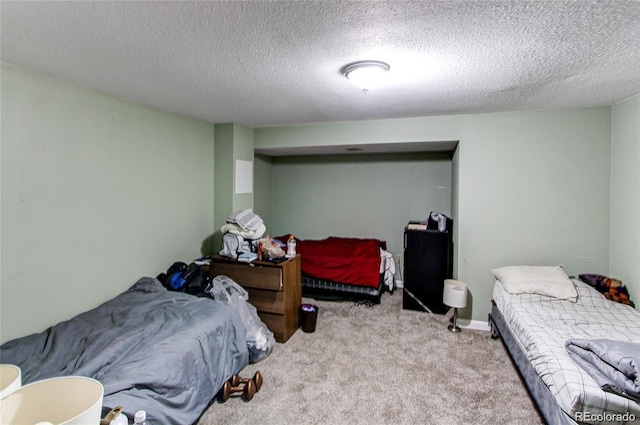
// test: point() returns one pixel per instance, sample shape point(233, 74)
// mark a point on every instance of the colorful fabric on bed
point(612, 289)
point(542, 325)
point(353, 261)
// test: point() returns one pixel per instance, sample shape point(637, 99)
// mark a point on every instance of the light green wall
point(262, 181)
point(532, 187)
point(369, 196)
point(95, 189)
point(242, 150)
point(223, 188)
point(403, 130)
point(455, 189)
point(96, 193)
point(233, 142)
point(625, 195)
point(532, 191)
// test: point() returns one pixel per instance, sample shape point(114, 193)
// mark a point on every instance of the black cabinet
point(428, 261)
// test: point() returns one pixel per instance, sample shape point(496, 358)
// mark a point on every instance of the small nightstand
point(274, 290)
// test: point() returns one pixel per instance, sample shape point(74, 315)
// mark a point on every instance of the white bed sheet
point(388, 267)
point(543, 324)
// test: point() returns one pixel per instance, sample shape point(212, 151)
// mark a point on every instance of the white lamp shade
point(455, 293)
point(68, 400)
point(10, 379)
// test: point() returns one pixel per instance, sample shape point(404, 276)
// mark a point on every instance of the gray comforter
point(164, 352)
point(614, 365)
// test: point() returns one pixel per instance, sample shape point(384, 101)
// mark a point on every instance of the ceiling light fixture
point(365, 74)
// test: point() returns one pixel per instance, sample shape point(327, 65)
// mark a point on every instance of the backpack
point(192, 279)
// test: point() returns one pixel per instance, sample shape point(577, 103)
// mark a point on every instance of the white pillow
point(551, 281)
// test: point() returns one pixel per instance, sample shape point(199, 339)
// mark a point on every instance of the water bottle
point(140, 418)
point(442, 223)
point(291, 247)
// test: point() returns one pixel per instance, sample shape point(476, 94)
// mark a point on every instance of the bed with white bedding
point(538, 327)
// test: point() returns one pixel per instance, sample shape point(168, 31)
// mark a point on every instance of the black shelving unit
point(428, 261)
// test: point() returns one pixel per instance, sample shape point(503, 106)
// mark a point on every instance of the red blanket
point(345, 260)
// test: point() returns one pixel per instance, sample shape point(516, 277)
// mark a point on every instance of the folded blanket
point(246, 219)
point(247, 234)
point(614, 365)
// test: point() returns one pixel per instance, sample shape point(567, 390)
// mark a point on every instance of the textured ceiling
point(264, 63)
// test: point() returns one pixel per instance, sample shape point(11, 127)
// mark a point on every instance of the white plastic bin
point(70, 400)
point(10, 379)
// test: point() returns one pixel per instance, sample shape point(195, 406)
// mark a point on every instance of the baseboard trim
point(477, 325)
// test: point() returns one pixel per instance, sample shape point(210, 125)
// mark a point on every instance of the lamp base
point(454, 326)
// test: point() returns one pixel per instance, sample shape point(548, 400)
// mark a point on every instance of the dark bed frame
point(335, 291)
point(544, 400)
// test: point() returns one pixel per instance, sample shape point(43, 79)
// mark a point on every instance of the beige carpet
point(382, 365)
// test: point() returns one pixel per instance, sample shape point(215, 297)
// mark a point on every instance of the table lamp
point(454, 295)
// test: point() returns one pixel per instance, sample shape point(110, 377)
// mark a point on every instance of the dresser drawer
point(267, 301)
point(274, 290)
point(259, 277)
point(276, 324)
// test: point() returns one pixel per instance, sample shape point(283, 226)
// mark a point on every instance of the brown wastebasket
point(308, 317)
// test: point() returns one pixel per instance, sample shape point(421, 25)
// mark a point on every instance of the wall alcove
point(359, 191)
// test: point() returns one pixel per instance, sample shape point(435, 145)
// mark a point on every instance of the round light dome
point(365, 74)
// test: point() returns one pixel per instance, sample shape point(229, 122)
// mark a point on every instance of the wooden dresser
point(274, 290)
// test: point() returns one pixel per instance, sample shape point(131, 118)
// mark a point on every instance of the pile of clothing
point(242, 230)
